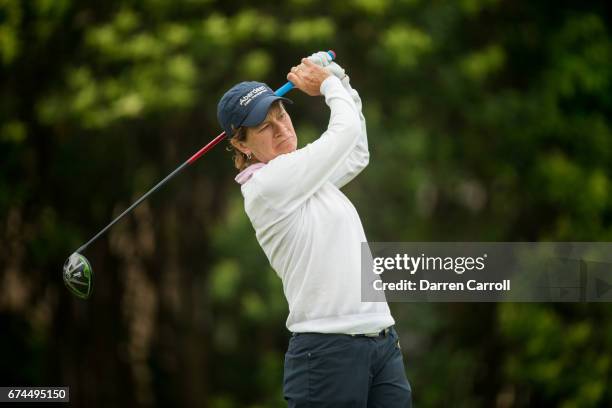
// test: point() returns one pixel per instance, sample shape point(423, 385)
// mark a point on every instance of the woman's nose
point(280, 130)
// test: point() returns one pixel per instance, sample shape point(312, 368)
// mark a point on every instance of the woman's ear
point(241, 146)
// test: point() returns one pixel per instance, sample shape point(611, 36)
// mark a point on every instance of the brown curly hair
point(241, 161)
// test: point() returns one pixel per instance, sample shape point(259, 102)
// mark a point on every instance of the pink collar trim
point(247, 173)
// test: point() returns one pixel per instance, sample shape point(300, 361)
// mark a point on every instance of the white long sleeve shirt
point(309, 230)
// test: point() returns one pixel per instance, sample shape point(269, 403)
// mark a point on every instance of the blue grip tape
point(289, 86)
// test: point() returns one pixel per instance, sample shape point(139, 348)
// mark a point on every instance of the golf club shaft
point(279, 92)
point(131, 207)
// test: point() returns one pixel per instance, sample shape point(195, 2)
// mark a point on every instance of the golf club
point(78, 273)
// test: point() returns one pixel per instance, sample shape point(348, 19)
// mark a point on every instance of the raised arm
point(289, 179)
point(359, 157)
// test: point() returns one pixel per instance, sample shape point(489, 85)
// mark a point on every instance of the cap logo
point(246, 99)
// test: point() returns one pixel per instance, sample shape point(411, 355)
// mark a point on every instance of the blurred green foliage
point(487, 120)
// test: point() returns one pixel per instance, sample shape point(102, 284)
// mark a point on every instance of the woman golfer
point(343, 352)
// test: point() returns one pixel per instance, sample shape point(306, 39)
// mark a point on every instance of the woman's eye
point(264, 127)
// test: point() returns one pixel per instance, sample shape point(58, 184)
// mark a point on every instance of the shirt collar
point(247, 173)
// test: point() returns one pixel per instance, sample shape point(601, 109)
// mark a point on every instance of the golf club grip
point(279, 92)
point(289, 85)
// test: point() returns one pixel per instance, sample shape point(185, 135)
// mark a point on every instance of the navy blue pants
point(338, 370)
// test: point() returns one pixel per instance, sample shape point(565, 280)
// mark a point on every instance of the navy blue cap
point(245, 104)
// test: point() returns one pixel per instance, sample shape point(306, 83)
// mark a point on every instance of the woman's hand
point(308, 77)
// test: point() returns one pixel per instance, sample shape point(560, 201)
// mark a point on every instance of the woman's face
point(272, 137)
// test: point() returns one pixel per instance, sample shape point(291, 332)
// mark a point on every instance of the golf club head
point(78, 275)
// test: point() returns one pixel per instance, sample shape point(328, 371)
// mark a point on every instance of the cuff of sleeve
point(329, 83)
